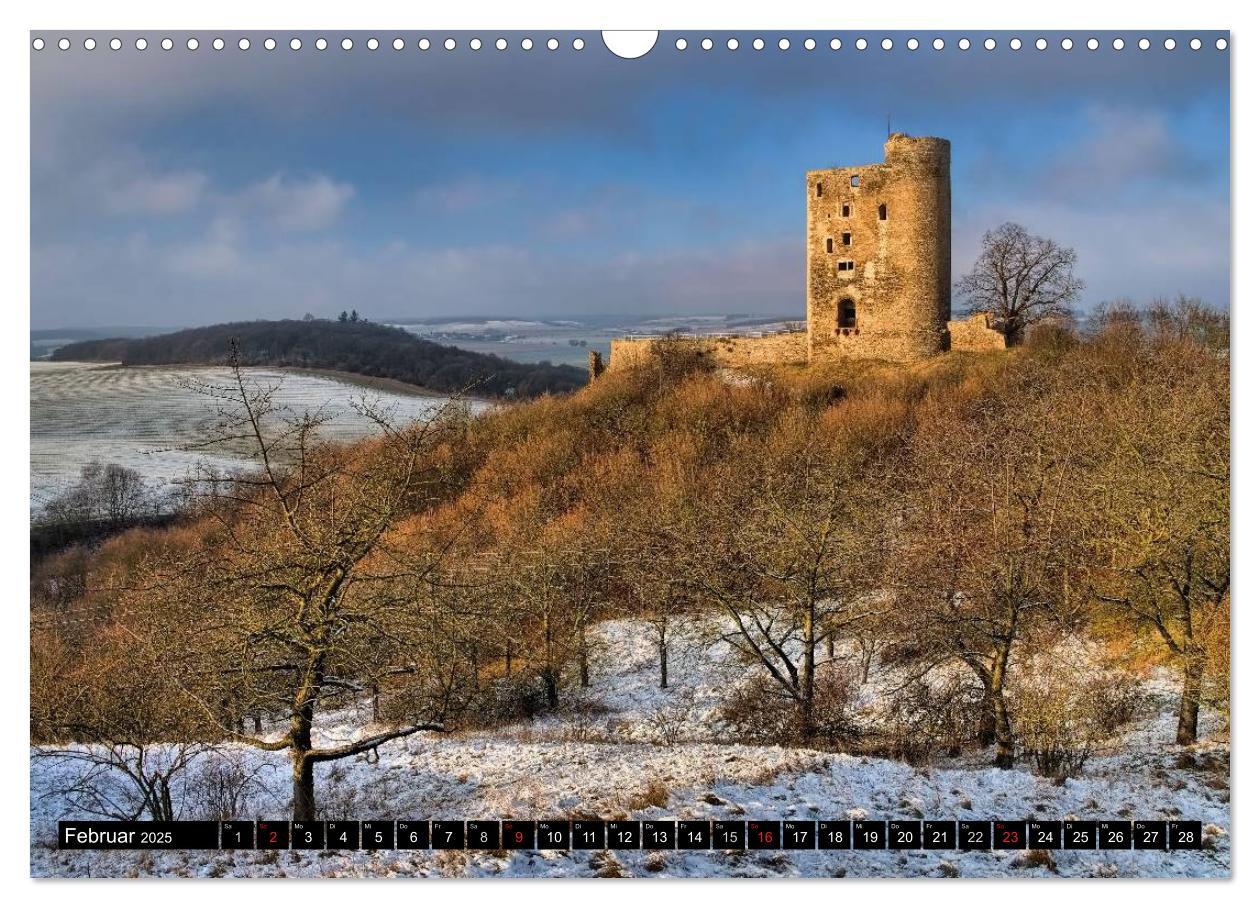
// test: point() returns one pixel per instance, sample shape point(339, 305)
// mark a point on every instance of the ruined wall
point(878, 254)
point(729, 350)
point(975, 334)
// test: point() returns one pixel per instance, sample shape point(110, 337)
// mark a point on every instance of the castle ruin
point(877, 268)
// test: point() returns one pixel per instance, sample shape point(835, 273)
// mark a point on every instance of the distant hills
point(364, 348)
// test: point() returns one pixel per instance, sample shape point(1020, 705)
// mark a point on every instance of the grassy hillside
point(379, 351)
point(1005, 544)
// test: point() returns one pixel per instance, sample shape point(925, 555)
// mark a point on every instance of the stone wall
point(725, 350)
point(975, 334)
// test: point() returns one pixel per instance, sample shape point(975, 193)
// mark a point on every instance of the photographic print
point(559, 454)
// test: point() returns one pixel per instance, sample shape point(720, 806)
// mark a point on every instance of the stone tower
point(878, 254)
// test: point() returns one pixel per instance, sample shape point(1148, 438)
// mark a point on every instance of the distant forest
point(379, 351)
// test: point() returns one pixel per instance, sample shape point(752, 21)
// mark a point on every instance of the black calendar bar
point(583, 835)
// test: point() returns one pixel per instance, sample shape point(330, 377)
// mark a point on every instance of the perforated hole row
point(553, 44)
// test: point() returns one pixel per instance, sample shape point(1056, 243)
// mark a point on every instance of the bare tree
point(1020, 280)
point(1158, 505)
point(307, 591)
point(788, 547)
point(985, 554)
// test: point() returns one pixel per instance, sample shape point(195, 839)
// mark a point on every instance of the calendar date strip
point(652, 835)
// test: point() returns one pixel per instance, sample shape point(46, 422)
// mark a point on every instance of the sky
point(177, 188)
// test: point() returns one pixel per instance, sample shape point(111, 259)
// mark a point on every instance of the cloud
point(1122, 147)
point(218, 254)
point(156, 194)
point(312, 203)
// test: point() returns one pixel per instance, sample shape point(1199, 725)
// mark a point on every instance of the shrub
point(758, 713)
point(1063, 714)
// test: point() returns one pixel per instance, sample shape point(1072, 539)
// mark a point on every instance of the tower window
point(883, 212)
point(844, 211)
point(846, 239)
point(847, 314)
point(818, 189)
point(855, 180)
point(830, 244)
point(844, 266)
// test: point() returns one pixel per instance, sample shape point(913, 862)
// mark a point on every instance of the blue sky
point(178, 188)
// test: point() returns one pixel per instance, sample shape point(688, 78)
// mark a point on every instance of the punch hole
point(758, 43)
point(1195, 43)
point(860, 44)
point(912, 44)
point(1221, 44)
point(707, 44)
point(964, 44)
point(243, 44)
point(295, 44)
point(1042, 44)
point(810, 43)
point(116, 44)
point(167, 44)
point(835, 44)
point(938, 43)
point(38, 44)
point(784, 44)
point(552, 44)
point(399, 44)
point(990, 44)
point(217, 44)
point(269, 44)
point(527, 44)
point(475, 44)
point(373, 44)
point(1016, 44)
point(89, 44)
point(630, 45)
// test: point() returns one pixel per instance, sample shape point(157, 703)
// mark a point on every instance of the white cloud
point(216, 255)
point(151, 193)
point(312, 203)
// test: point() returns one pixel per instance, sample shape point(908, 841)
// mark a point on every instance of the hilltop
point(379, 351)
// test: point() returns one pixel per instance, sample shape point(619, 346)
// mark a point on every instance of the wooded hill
point(1004, 542)
point(379, 351)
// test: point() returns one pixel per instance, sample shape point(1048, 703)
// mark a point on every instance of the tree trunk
point(1191, 695)
point(507, 660)
point(662, 652)
point(584, 659)
point(258, 723)
point(303, 786)
point(376, 702)
point(1004, 735)
point(549, 665)
point(808, 671)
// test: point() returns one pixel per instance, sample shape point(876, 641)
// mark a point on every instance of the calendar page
point(577, 454)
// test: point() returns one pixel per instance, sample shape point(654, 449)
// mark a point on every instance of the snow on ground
point(607, 762)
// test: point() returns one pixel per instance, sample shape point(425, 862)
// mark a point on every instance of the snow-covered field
point(607, 760)
point(146, 417)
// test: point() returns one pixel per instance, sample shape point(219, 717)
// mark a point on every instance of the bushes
point(758, 713)
point(1063, 715)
